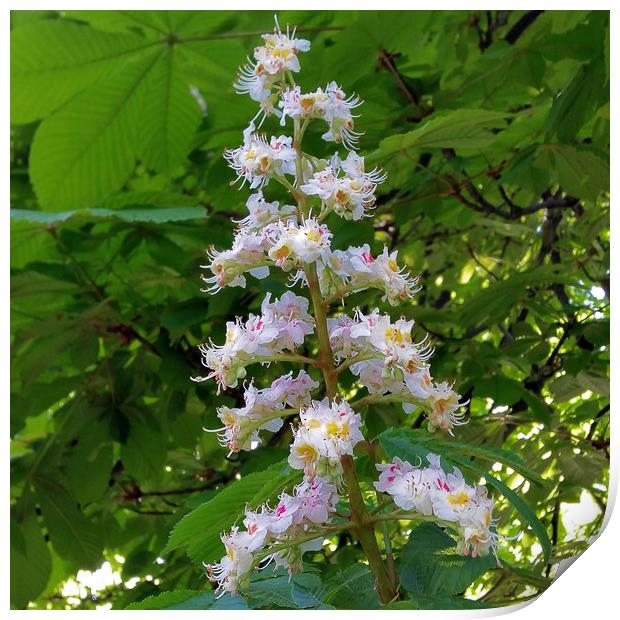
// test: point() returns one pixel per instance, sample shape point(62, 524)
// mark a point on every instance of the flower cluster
point(331, 105)
point(281, 326)
point(263, 410)
point(390, 362)
point(257, 161)
point(271, 62)
point(380, 353)
point(269, 532)
point(432, 491)
point(290, 245)
point(326, 432)
point(356, 269)
point(344, 187)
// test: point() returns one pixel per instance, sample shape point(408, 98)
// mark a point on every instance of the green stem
point(389, 555)
point(299, 540)
point(285, 357)
point(373, 399)
point(354, 360)
point(412, 516)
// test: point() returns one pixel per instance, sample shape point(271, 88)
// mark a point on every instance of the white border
point(590, 588)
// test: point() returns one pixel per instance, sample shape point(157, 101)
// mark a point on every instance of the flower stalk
point(378, 351)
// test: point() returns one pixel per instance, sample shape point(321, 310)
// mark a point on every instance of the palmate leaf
point(170, 116)
point(457, 129)
point(297, 591)
point(199, 531)
point(144, 453)
point(352, 588)
point(157, 216)
point(437, 602)
point(431, 567)
point(159, 208)
point(52, 60)
point(30, 560)
point(73, 536)
point(87, 149)
point(497, 300)
point(581, 173)
point(142, 110)
point(189, 599)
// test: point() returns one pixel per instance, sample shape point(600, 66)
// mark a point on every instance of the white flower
point(228, 266)
point(295, 392)
point(256, 160)
point(339, 118)
point(444, 403)
point(241, 425)
point(327, 430)
point(271, 61)
point(455, 498)
point(378, 379)
point(303, 243)
point(262, 213)
point(477, 537)
point(329, 104)
point(232, 570)
point(344, 187)
point(304, 452)
point(317, 499)
point(282, 325)
point(431, 491)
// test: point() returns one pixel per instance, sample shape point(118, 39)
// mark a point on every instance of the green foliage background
point(494, 129)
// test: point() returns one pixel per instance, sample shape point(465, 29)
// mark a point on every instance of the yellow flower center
point(282, 253)
point(332, 429)
point(307, 453)
point(458, 499)
point(341, 196)
point(228, 419)
point(314, 235)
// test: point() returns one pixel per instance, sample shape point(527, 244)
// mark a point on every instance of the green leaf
point(457, 129)
point(581, 173)
point(437, 602)
point(596, 383)
point(73, 536)
point(200, 530)
point(88, 148)
point(144, 453)
point(576, 103)
point(170, 116)
point(53, 60)
point(497, 301)
point(352, 588)
point(430, 565)
point(190, 599)
point(297, 591)
point(503, 390)
point(157, 216)
point(31, 563)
